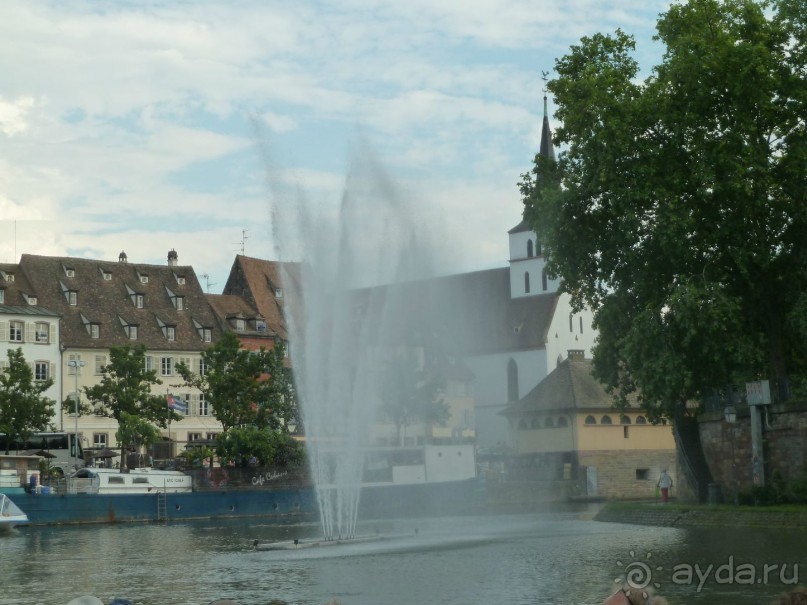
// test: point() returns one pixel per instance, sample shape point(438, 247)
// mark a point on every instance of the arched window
point(591, 420)
point(571, 324)
point(527, 282)
point(536, 423)
point(623, 419)
point(522, 424)
point(544, 284)
point(562, 421)
point(641, 420)
point(605, 420)
point(512, 380)
point(529, 248)
point(549, 423)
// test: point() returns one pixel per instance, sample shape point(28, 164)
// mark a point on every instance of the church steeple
point(547, 149)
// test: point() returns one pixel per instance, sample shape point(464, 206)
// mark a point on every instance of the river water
point(549, 558)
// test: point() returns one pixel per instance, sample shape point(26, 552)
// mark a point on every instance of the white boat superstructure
point(10, 513)
point(92, 480)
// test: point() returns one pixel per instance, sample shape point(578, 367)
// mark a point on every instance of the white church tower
point(527, 263)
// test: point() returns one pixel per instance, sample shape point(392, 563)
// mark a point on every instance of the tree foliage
point(268, 447)
point(23, 408)
point(409, 394)
point(244, 387)
point(677, 208)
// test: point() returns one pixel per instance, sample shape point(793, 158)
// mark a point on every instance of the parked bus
point(58, 444)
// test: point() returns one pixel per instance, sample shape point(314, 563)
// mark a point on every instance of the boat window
point(116, 480)
point(140, 480)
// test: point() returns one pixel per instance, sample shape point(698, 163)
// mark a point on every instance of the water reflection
point(542, 558)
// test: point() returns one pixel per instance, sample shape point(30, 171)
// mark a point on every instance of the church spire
point(547, 149)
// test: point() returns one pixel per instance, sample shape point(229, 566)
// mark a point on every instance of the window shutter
point(52, 330)
point(30, 332)
point(51, 370)
point(3, 331)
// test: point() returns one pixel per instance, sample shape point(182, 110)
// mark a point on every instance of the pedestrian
point(664, 484)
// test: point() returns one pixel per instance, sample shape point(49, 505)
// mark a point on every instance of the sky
point(145, 126)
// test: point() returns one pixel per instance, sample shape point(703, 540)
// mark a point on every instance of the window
point(132, 332)
point(239, 325)
point(180, 280)
point(9, 277)
point(605, 420)
point(170, 333)
point(72, 371)
point(562, 421)
point(167, 366)
point(139, 300)
point(42, 332)
point(69, 272)
point(529, 248)
point(204, 409)
point(194, 436)
point(591, 420)
point(2, 296)
point(642, 474)
point(148, 363)
point(144, 279)
point(100, 439)
point(207, 334)
point(179, 303)
point(41, 370)
point(95, 330)
point(527, 283)
point(625, 430)
point(544, 284)
point(581, 324)
point(32, 301)
point(623, 419)
point(212, 436)
point(100, 362)
point(278, 293)
point(202, 366)
point(571, 325)
point(107, 275)
point(72, 297)
point(15, 331)
point(641, 420)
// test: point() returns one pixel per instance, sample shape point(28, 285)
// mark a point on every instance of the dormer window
point(139, 301)
point(240, 325)
point(71, 296)
point(260, 325)
point(144, 279)
point(170, 333)
point(2, 296)
point(69, 272)
point(278, 293)
point(180, 279)
point(31, 300)
point(179, 303)
point(94, 330)
point(9, 277)
point(207, 334)
point(107, 275)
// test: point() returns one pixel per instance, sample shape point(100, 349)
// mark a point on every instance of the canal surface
point(558, 559)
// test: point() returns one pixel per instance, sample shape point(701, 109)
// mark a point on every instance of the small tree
point(125, 388)
point(23, 409)
point(136, 431)
point(409, 395)
point(268, 447)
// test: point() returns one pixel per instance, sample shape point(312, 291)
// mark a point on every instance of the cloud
point(12, 115)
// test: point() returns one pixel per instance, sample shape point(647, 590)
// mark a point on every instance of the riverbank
point(694, 515)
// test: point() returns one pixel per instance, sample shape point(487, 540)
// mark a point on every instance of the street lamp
point(76, 364)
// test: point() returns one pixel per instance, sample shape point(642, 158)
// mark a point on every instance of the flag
point(177, 404)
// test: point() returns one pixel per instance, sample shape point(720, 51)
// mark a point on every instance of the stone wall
point(681, 516)
point(727, 447)
point(620, 473)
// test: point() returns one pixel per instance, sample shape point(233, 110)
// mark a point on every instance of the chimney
point(576, 354)
point(173, 258)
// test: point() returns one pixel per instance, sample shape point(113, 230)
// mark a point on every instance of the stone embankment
point(677, 515)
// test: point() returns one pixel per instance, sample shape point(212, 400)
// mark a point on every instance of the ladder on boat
point(162, 506)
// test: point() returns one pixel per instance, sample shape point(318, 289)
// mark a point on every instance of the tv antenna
point(243, 242)
point(207, 282)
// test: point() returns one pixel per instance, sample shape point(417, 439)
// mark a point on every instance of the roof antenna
point(243, 242)
point(208, 282)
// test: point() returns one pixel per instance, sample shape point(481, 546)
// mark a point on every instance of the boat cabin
point(19, 473)
point(92, 480)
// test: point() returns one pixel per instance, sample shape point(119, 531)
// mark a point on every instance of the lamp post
point(76, 364)
point(730, 415)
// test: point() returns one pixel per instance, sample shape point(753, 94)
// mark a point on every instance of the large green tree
point(23, 408)
point(677, 208)
point(126, 389)
point(245, 387)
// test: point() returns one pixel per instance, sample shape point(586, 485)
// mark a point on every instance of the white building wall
point(561, 336)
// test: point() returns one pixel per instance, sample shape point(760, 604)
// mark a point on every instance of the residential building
point(104, 304)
